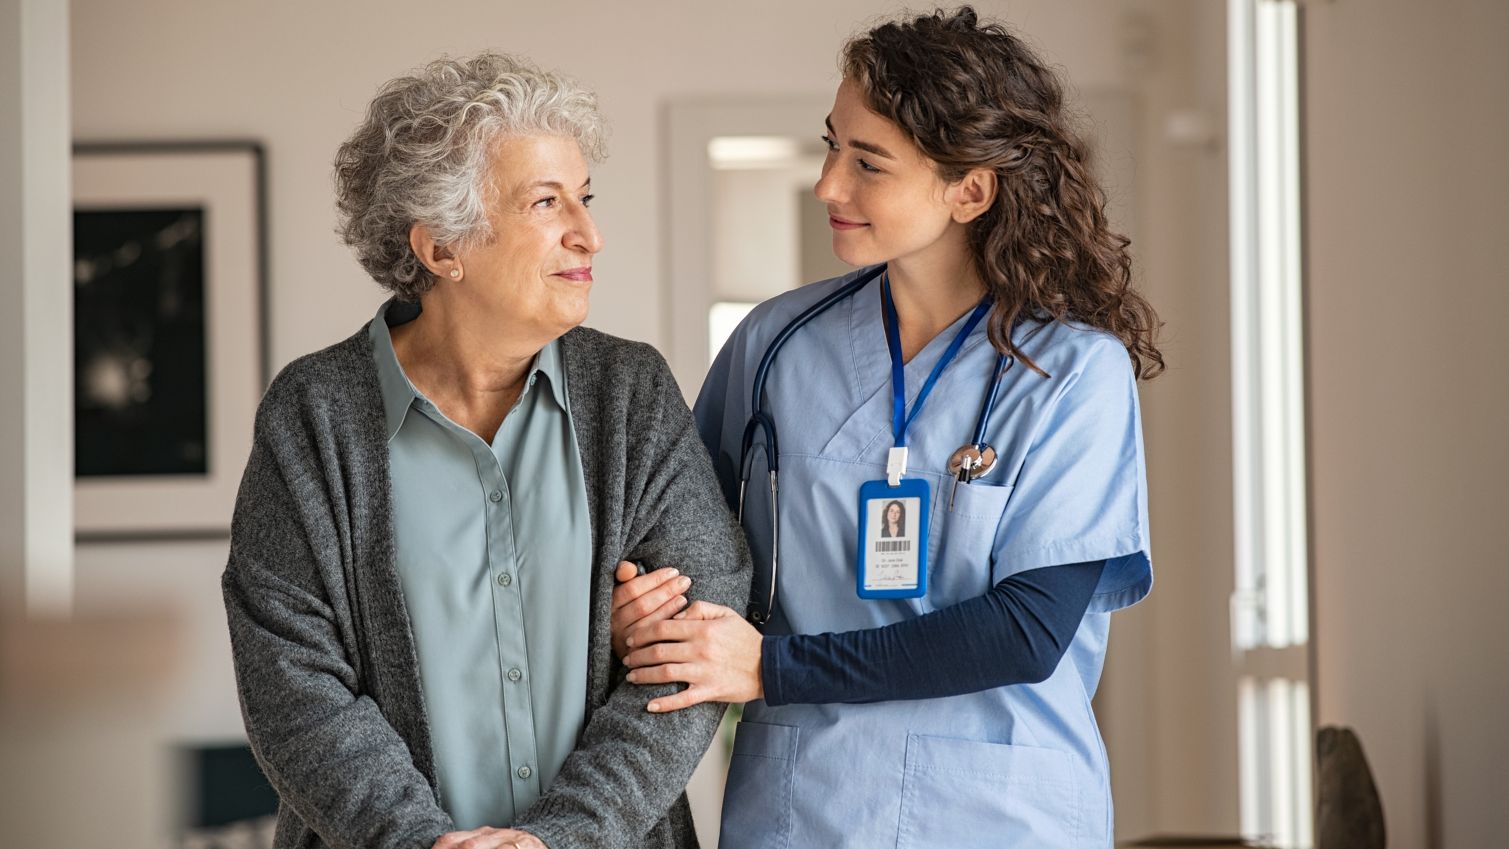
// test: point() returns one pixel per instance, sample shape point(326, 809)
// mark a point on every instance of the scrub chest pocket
point(965, 540)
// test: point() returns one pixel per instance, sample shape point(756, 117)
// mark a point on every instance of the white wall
point(36, 433)
point(1407, 126)
point(297, 76)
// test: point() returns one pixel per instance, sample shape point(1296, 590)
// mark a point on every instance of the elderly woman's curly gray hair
point(422, 156)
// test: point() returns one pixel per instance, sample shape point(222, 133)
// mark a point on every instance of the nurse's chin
point(852, 254)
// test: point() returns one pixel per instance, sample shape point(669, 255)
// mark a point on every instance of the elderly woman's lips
point(583, 275)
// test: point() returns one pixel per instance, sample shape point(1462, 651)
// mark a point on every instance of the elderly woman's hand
point(487, 837)
point(709, 647)
point(640, 600)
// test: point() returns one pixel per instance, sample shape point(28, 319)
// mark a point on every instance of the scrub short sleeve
point(1081, 493)
point(722, 406)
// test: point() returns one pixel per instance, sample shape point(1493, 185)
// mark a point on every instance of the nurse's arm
point(1015, 634)
point(710, 647)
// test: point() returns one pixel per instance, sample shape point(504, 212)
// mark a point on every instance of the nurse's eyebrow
point(865, 146)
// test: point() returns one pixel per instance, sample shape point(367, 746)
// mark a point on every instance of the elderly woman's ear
point(437, 258)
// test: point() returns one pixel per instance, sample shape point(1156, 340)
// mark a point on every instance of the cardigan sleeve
point(631, 765)
point(324, 744)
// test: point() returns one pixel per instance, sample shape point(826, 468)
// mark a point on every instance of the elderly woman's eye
point(587, 199)
point(545, 203)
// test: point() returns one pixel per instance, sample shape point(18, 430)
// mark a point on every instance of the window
point(1270, 609)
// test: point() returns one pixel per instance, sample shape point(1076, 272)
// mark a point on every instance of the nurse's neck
point(931, 293)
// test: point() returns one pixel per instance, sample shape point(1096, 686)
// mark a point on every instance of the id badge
point(893, 539)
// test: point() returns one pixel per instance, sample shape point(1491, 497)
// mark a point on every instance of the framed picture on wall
point(170, 301)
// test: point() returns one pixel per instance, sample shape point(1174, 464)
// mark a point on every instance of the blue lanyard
point(900, 421)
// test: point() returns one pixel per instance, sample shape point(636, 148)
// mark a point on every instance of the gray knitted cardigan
point(325, 661)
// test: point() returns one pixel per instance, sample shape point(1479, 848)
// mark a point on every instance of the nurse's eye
point(828, 140)
point(867, 167)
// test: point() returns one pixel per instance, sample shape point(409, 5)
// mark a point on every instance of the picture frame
point(170, 333)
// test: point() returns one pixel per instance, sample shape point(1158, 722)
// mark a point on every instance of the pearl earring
point(455, 274)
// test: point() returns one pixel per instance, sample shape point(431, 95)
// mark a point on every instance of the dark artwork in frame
point(140, 405)
point(170, 304)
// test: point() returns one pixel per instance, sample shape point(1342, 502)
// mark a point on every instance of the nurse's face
point(885, 199)
point(537, 268)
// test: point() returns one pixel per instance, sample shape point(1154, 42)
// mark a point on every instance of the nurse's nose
point(829, 188)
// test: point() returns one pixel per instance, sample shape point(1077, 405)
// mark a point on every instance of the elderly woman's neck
point(470, 364)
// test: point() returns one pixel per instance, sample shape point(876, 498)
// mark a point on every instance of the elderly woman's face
point(538, 267)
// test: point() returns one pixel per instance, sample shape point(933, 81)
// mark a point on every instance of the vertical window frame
point(1271, 605)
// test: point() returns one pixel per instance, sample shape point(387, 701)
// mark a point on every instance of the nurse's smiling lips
point(843, 223)
point(578, 275)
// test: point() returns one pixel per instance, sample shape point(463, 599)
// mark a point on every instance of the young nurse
point(926, 681)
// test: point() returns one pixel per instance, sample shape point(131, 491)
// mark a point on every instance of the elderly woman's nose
point(584, 235)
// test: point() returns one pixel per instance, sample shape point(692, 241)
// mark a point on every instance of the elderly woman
point(421, 565)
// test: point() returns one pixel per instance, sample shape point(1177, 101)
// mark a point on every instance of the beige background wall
point(1407, 134)
point(296, 76)
point(1407, 125)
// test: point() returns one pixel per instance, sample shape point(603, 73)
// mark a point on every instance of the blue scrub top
point(1021, 765)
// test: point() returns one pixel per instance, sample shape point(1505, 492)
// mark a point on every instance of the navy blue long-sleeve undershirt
point(1014, 634)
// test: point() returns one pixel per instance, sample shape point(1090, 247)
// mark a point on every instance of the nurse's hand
point(487, 837)
point(709, 647)
point(642, 599)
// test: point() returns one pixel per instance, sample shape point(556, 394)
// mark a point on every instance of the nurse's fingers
point(665, 673)
point(706, 610)
point(636, 586)
point(636, 609)
point(665, 611)
point(693, 695)
point(666, 631)
point(672, 652)
point(645, 599)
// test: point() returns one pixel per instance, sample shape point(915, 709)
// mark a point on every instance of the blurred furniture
point(1349, 814)
point(229, 804)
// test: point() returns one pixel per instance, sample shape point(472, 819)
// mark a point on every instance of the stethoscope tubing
point(1002, 360)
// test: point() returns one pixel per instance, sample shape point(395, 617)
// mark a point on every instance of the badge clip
point(895, 465)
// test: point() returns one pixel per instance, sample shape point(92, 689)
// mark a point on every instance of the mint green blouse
point(494, 558)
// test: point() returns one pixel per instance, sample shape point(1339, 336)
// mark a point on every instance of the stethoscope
point(967, 463)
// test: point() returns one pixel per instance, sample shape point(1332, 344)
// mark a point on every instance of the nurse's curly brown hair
point(972, 95)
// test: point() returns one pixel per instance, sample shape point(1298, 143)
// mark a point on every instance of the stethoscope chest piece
point(966, 464)
point(971, 461)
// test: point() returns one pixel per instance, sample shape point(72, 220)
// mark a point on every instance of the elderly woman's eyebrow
point(553, 184)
